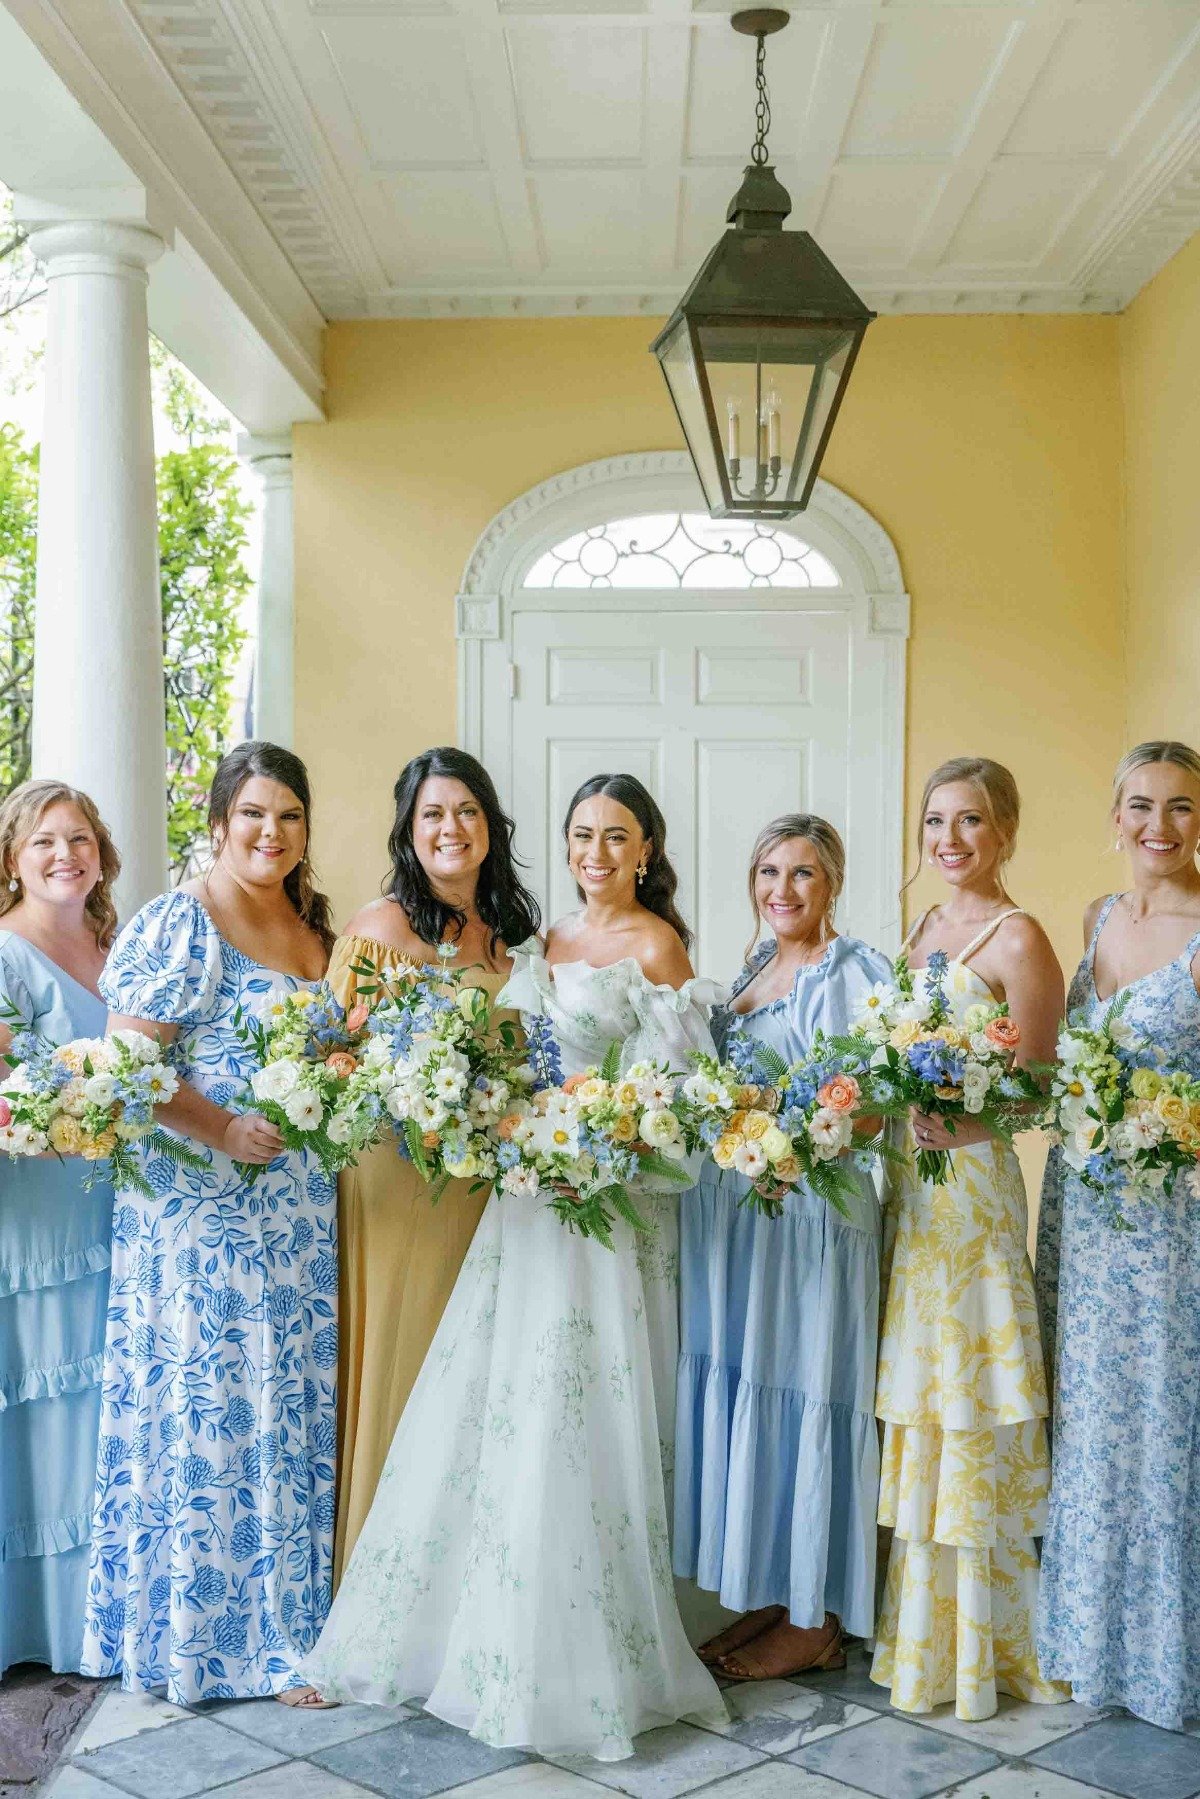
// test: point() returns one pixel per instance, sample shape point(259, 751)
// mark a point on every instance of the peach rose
point(341, 1064)
point(66, 1135)
point(95, 1149)
point(624, 1128)
point(787, 1169)
point(574, 1082)
point(357, 1017)
point(507, 1126)
point(841, 1094)
point(747, 1096)
point(429, 1140)
point(1004, 1032)
point(769, 1100)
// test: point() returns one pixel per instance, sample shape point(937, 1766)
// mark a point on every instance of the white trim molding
point(871, 594)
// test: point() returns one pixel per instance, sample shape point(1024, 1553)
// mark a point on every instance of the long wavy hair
point(657, 891)
point(503, 902)
point(270, 762)
point(20, 815)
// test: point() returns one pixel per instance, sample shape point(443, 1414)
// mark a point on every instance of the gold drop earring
point(641, 873)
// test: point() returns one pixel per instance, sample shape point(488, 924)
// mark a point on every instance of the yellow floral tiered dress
point(961, 1391)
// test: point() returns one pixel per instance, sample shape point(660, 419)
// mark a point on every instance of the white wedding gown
point(514, 1572)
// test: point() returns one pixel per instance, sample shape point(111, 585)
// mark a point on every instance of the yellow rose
point(1172, 1108)
point(625, 1128)
point(747, 1096)
point(776, 1144)
point(1146, 1083)
point(756, 1126)
point(787, 1169)
point(737, 1121)
point(1194, 1111)
point(95, 1149)
point(951, 1035)
point(589, 1092)
point(65, 1135)
point(71, 1057)
point(625, 1094)
point(906, 1032)
point(303, 996)
point(725, 1148)
point(1187, 1135)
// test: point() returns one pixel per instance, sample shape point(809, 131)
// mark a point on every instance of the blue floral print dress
point(213, 1529)
point(1119, 1615)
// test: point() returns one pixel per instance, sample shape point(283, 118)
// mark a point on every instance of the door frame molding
point(872, 595)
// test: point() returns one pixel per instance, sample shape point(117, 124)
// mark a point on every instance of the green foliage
point(18, 558)
point(201, 540)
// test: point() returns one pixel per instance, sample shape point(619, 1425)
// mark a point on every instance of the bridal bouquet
point(93, 1097)
point(1126, 1128)
point(792, 1122)
point(916, 1054)
point(309, 1081)
point(442, 1068)
point(588, 1142)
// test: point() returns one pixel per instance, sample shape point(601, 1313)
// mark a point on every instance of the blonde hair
point(1159, 749)
point(998, 798)
point(831, 854)
point(20, 815)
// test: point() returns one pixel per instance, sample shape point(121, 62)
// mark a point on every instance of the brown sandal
point(748, 1626)
point(825, 1652)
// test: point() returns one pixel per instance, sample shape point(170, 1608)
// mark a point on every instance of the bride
point(514, 1571)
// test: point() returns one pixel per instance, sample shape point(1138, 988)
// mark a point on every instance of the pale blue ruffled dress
point(54, 1256)
point(1119, 1610)
point(777, 1449)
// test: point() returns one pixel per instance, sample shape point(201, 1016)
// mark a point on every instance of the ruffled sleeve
point(166, 964)
point(529, 985)
point(852, 971)
point(351, 956)
point(672, 1024)
point(14, 991)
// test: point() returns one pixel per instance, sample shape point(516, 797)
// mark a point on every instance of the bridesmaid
point(777, 1453)
point(1120, 1604)
point(212, 1539)
point(453, 879)
point(961, 1390)
point(57, 865)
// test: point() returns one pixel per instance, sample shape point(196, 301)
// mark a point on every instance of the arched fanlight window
point(681, 549)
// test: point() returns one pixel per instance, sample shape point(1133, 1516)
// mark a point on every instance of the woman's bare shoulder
point(661, 953)
point(384, 921)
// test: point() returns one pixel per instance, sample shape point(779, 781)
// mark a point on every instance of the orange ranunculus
point(507, 1126)
point(574, 1081)
point(1004, 1032)
point(341, 1064)
point(841, 1094)
point(357, 1017)
point(429, 1139)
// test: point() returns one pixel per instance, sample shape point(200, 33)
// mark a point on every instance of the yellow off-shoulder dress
point(399, 1258)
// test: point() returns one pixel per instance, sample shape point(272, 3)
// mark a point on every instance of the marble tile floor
point(817, 1738)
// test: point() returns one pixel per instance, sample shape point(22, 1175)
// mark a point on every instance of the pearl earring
point(13, 884)
point(641, 875)
point(1119, 845)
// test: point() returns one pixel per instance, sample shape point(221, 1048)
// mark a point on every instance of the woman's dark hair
point(657, 890)
point(507, 908)
point(272, 763)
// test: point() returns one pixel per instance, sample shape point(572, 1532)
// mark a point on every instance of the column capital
point(268, 453)
point(94, 247)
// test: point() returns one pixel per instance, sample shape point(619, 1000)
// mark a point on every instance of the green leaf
point(416, 1148)
point(610, 1068)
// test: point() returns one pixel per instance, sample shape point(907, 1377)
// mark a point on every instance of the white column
point(274, 702)
point(98, 719)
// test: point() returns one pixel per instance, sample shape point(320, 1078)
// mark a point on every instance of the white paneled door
point(729, 716)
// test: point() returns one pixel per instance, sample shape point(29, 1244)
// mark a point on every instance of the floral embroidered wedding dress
point(514, 1572)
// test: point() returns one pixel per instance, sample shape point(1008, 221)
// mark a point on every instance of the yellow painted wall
point(1160, 379)
point(990, 448)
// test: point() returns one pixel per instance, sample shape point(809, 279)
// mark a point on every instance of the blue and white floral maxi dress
point(213, 1528)
point(1119, 1613)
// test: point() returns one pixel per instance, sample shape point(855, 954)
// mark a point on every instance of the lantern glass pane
point(683, 379)
point(773, 387)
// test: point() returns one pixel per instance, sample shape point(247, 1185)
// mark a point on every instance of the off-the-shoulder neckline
point(284, 974)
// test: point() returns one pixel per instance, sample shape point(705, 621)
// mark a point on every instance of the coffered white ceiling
point(416, 157)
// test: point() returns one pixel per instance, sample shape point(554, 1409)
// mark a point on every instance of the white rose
point(916, 1010)
point(303, 1109)
point(100, 1090)
point(659, 1128)
point(341, 1128)
point(276, 1081)
point(72, 1097)
point(1123, 1033)
point(138, 1046)
point(976, 1081)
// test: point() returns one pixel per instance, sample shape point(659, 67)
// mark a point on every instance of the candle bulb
point(773, 424)
point(735, 431)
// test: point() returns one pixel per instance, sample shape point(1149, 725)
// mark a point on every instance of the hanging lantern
point(758, 352)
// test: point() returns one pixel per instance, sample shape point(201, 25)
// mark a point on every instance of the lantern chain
point(762, 106)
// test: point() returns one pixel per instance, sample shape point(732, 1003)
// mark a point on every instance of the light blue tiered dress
point(1119, 1614)
point(776, 1446)
point(54, 1253)
point(212, 1548)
